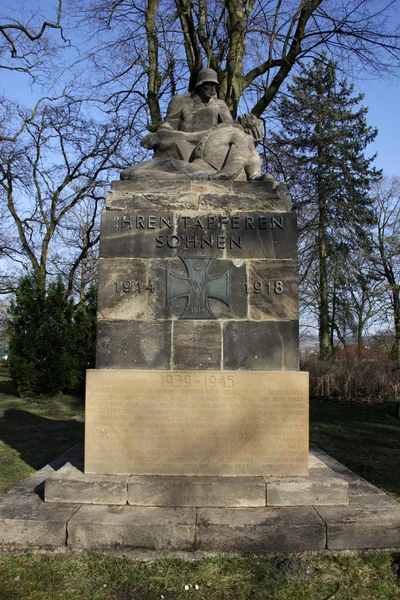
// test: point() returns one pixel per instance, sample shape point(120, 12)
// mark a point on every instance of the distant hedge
point(51, 339)
point(350, 379)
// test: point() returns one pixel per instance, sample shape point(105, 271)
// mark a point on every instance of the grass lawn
point(364, 438)
point(95, 577)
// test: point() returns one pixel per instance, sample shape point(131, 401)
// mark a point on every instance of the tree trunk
point(154, 80)
point(396, 311)
point(325, 348)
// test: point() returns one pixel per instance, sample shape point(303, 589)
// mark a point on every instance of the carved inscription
point(266, 287)
point(204, 232)
point(130, 285)
point(143, 222)
point(197, 423)
point(198, 241)
point(198, 223)
point(198, 381)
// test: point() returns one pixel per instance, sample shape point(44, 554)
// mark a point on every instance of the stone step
point(370, 520)
point(321, 487)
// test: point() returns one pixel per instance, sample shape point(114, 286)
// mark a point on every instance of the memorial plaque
point(227, 423)
point(225, 235)
point(197, 346)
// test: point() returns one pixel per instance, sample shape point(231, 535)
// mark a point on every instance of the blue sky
point(382, 97)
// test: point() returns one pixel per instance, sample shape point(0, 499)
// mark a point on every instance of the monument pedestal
point(197, 347)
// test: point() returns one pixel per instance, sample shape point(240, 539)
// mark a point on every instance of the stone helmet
point(206, 76)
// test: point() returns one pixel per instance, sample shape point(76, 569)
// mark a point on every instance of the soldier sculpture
point(200, 140)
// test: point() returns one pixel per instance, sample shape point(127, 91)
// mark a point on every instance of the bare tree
point(27, 47)
point(387, 246)
point(62, 160)
point(25, 40)
point(76, 258)
point(253, 45)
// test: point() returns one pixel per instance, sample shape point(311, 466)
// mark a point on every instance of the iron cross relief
point(197, 287)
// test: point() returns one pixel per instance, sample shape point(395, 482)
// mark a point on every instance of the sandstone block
point(368, 522)
point(196, 491)
point(260, 530)
point(261, 346)
point(128, 527)
point(26, 521)
point(71, 485)
point(133, 345)
point(197, 345)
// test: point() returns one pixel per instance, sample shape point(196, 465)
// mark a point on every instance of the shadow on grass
point(364, 438)
point(38, 440)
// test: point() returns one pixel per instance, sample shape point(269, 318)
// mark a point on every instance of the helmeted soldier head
point(206, 76)
point(206, 84)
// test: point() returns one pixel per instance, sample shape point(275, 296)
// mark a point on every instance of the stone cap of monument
point(266, 195)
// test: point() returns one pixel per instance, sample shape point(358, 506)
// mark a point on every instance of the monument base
point(67, 523)
point(196, 423)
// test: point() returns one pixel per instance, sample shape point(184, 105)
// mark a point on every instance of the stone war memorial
point(197, 349)
point(196, 420)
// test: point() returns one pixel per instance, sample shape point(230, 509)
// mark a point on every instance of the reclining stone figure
point(200, 140)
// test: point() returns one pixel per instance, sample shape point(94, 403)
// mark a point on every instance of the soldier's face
point(207, 90)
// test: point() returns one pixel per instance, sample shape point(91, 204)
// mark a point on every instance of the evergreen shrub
point(52, 340)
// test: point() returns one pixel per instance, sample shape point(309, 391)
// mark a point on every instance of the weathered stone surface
point(235, 201)
point(183, 186)
point(134, 234)
point(357, 485)
point(273, 290)
point(196, 423)
point(197, 345)
point(263, 235)
point(122, 289)
point(319, 488)
point(368, 522)
point(263, 187)
point(260, 530)
point(261, 346)
point(26, 521)
point(150, 195)
point(69, 484)
point(133, 345)
point(314, 461)
point(196, 491)
point(125, 527)
point(198, 195)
